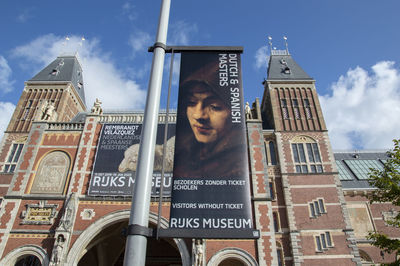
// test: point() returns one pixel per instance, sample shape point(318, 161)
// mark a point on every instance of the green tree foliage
point(387, 182)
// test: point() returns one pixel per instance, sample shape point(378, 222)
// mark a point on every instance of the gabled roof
point(282, 67)
point(63, 69)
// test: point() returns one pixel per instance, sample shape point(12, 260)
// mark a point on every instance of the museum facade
point(308, 203)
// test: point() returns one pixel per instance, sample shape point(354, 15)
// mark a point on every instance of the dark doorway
point(29, 260)
point(108, 248)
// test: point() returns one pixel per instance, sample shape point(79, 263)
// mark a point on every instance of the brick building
point(308, 202)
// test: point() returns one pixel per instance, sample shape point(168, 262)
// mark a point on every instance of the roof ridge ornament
point(286, 44)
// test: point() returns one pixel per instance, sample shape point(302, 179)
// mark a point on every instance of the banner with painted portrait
point(211, 190)
point(116, 160)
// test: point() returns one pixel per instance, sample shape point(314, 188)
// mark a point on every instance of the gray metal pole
point(135, 250)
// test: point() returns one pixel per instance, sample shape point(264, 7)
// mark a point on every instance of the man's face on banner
point(207, 115)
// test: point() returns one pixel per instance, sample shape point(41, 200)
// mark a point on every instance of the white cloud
point(128, 11)
point(364, 108)
point(102, 78)
point(6, 84)
point(6, 111)
point(180, 32)
point(139, 42)
point(261, 57)
point(24, 16)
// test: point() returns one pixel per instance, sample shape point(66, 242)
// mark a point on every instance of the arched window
point(51, 174)
point(272, 152)
point(306, 156)
point(279, 253)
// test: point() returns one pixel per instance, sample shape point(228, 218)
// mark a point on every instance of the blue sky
point(349, 47)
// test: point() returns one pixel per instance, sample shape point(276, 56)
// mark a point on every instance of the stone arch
point(23, 251)
point(302, 139)
point(232, 253)
point(76, 252)
point(51, 173)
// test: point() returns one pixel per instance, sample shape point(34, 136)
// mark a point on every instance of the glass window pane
point(313, 169)
point(295, 153)
point(276, 225)
point(6, 167)
point(304, 169)
point(310, 153)
point(312, 210)
point(319, 169)
point(328, 239)
point(301, 153)
point(323, 241)
point(18, 153)
point(317, 211)
point(279, 251)
point(14, 146)
point(12, 168)
point(272, 152)
point(316, 152)
point(343, 172)
point(271, 190)
point(318, 240)
point(321, 205)
point(298, 169)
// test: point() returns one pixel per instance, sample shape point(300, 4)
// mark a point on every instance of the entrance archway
point(102, 243)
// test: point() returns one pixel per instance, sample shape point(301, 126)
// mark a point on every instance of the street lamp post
point(135, 250)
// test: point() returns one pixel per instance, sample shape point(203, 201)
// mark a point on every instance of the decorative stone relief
point(41, 213)
point(51, 174)
point(389, 216)
point(87, 214)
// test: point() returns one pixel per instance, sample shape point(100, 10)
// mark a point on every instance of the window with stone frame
point(270, 152)
point(296, 110)
point(306, 155)
point(272, 190)
point(307, 108)
point(277, 224)
point(12, 158)
point(280, 255)
point(27, 109)
point(285, 113)
point(323, 242)
point(317, 208)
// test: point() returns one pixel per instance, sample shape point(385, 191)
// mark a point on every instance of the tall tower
point(55, 94)
point(309, 212)
point(59, 84)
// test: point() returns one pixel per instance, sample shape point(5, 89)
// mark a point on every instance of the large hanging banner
point(211, 191)
point(116, 158)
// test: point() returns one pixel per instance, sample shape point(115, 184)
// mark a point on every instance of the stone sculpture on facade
point(58, 251)
point(96, 109)
point(64, 231)
point(247, 110)
point(198, 252)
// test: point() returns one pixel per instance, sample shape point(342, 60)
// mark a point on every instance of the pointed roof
point(282, 67)
point(63, 69)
